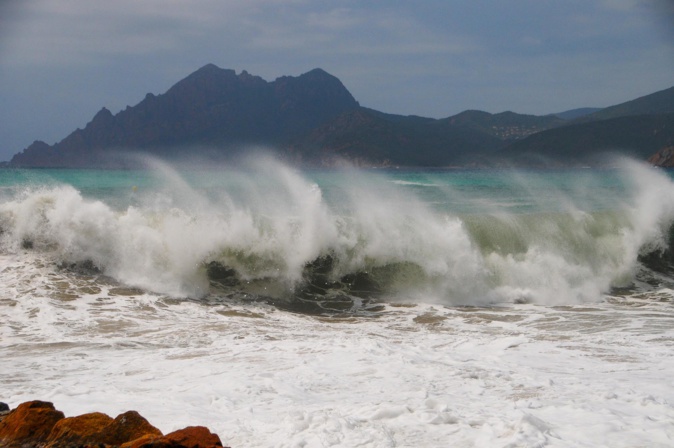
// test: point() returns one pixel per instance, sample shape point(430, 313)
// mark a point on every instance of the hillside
point(366, 137)
point(586, 143)
point(312, 119)
point(507, 126)
point(211, 108)
point(661, 102)
point(638, 128)
point(576, 113)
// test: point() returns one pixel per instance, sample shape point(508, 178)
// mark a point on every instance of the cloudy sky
point(62, 60)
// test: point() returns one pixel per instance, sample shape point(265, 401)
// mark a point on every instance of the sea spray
point(267, 230)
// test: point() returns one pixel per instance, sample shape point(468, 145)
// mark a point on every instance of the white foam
point(421, 375)
point(271, 221)
point(418, 375)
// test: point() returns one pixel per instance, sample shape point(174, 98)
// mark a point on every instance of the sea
point(346, 307)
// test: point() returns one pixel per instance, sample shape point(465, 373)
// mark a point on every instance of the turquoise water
point(265, 229)
point(458, 191)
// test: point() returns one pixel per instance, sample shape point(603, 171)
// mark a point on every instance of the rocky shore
point(38, 424)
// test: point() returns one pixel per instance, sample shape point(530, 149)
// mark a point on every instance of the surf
point(348, 237)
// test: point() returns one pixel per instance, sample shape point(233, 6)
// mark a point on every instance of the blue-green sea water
point(267, 230)
point(344, 308)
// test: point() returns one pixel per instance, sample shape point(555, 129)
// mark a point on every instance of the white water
point(269, 224)
point(575, 366)
point(418, 375)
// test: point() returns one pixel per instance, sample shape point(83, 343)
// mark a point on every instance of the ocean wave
point(273, 232)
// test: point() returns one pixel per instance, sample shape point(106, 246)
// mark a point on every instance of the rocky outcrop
point(192, 437)
point(663, 158)
point(29, 424)
point(39, 424)
point(76, 431)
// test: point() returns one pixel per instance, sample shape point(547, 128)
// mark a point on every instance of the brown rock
point(76, 431)
point(36, 424)
point(663, 158)
point(190, 437)
point(127, 427)
point(140, 442)
point(195, 437)
point(29, 424)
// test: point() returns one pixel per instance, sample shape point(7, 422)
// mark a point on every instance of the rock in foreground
point(39, 424)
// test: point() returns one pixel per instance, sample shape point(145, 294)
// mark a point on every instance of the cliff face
point(663, 158)
point(211, 107)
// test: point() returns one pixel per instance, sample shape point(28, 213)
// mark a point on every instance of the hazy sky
point(62, 60)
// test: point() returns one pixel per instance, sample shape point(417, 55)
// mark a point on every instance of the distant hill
point(576, 113)
point(506, 126)
point(586, 143)
point(638, 128)
point(211, 108)
point(366, 137)
point(661, 102)
point(312, 119)
point(309, 119)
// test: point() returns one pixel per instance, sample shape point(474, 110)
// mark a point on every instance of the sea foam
point(268, 225)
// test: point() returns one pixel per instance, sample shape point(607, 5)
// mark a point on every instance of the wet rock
point(127, 427)
point(141, 442)
point(29, 424)
point(195, 437)
point(37, 424)
point(4, 410)
point(77, 431)
point(190, 437)
point(664, 157)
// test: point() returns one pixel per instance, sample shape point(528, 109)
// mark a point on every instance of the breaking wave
point(271, 231)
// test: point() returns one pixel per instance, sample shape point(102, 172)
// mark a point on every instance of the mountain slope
point(211, 107)
point(313, 119)
point(638, 128)
point(576, 113)
point(638, 136)
point(506, 126)
point(661, 102)
point(367, 137)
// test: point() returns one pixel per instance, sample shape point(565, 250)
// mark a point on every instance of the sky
point(61, 61)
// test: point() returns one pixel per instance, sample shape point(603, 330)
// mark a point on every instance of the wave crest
point(271, 231)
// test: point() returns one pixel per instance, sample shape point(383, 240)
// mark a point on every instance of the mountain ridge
point(312, 119)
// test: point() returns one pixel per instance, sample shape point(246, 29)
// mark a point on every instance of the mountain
point(660, 102)
point(638, 128)
point(211, 108)
point(309, 119)
point(576, 113)
point(312, 119)
point(366, 137)
point(586, 143)
point(507, 126)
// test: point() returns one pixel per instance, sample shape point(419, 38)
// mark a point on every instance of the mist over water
point(264, 229)
point(168, 291)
